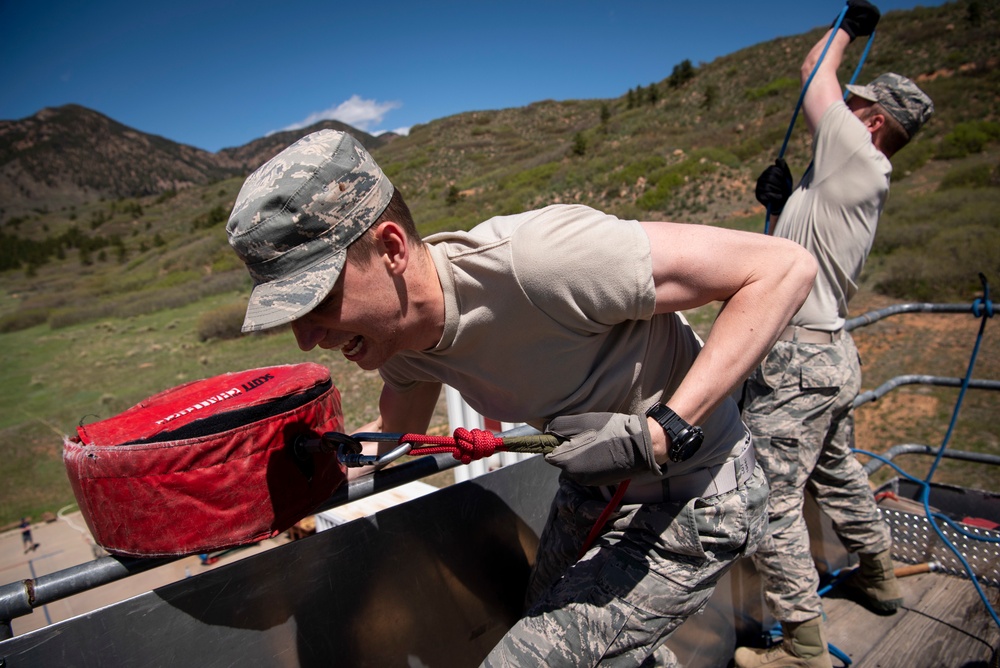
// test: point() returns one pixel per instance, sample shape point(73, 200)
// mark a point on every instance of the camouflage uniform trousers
point(798, 405)
point(653, 566)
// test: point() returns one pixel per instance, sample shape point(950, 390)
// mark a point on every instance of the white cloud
point(356, 112)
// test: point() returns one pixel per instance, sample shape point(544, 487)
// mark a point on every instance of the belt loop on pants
point(806, 335)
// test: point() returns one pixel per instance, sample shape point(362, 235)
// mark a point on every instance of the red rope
point(466, 445)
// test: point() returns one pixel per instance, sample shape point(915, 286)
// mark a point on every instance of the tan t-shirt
point(550, 313)
point(834, 212)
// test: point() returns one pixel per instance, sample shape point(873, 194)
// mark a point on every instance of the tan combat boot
point(875, 582)
point(804, 645)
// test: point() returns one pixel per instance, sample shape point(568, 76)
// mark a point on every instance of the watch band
point(685, 439)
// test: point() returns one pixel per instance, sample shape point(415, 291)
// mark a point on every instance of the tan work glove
point(602, 448)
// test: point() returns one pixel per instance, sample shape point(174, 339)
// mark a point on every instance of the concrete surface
point(67, 542)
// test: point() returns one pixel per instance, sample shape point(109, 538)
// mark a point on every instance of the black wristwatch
point(684, 438)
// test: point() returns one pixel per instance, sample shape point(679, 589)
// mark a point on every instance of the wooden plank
point(943, 622)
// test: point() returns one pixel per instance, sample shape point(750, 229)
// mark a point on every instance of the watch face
point(683, 452)
point(684, 447)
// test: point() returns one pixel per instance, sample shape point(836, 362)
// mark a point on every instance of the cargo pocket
point(823, 378)
point(819, 389)
point(777, 445)
point(778, 363)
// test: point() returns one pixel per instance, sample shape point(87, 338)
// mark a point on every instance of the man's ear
point(875, 122)
point(393, 246)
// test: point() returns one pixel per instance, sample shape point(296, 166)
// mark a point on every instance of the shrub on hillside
point(669, 180)
point(719, 155)
point(968, 176)
point(222, 323)
point(967, 138)
point(911, 158)
point(530, 178)
point(747, 149)
point(932, 247)
point(772, 88)
point(218, 215)
point(950, 271)
point(74, 315)
point(19, 320)
point(643, 167)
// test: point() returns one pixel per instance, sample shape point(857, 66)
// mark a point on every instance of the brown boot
point(875, 583)
point(804, 645)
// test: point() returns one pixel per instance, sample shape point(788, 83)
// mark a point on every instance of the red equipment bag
point(208, 465)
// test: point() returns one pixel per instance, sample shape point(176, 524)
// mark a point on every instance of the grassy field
point(58, 379)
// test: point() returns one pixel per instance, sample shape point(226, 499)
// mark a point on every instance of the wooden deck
point(943, 623)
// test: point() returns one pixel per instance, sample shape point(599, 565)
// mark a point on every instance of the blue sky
point(221, 73)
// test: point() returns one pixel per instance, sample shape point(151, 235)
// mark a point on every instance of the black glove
point(860, 18)
point(602, 448)
point(774, 186)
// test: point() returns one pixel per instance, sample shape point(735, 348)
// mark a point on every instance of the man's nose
point(306, 334)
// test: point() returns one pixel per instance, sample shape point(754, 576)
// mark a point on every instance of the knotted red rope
point(466, 445)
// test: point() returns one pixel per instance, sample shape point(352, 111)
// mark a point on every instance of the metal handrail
point(917, 379)
point(897, 309)
point(920, 449)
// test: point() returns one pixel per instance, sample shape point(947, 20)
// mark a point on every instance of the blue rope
point(983, 309)
point(920, 483)
point(986, 313)
point(925, 497)
point(805, 87)
point(864, 56)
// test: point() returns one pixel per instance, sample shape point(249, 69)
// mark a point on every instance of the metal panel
point(916, 541)
point(433, 582)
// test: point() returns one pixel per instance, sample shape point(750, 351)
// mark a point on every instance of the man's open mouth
point(353, 347)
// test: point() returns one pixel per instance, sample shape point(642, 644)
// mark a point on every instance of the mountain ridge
point(70, 154)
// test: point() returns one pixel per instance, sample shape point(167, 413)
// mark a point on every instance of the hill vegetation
point(118, 282)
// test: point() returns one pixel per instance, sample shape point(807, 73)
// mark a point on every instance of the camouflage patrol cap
point(900, 97)
point(294, 219)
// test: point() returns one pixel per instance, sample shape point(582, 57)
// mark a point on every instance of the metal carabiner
point(349, 447)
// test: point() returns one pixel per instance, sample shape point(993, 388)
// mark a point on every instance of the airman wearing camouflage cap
point(295, 217)
point(799, 402)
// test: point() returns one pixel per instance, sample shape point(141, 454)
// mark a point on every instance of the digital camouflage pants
point(798, 406)
point(654, 566)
